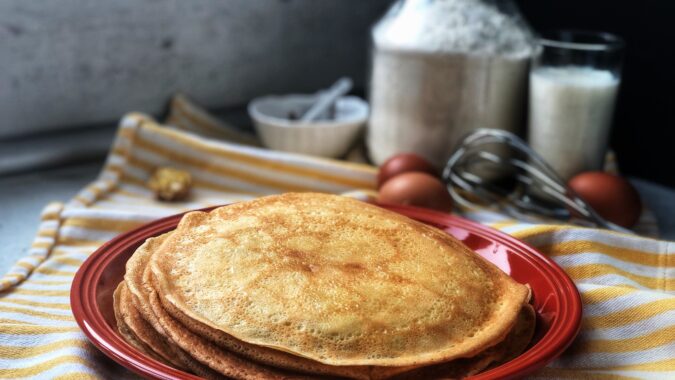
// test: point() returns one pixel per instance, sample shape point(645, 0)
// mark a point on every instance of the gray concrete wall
point(66, 63)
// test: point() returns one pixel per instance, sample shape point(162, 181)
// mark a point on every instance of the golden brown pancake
point(137, 279)
point(135, 268)
point(514, 344)
point(143, 331)
point(235, 358)
point(124, 329)
point(213, 356)
point(142, 321)
point(520, 336)
point(181, 360)
point(334, 280)
point(264, 355)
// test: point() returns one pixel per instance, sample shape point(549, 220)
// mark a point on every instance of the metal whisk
point(496, 169)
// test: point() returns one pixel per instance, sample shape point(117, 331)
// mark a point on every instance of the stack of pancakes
point(318, 286)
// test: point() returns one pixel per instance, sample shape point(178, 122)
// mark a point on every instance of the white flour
point(466, 26)
point(440, 69)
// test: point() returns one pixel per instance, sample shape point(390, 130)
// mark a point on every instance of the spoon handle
point(325, 100)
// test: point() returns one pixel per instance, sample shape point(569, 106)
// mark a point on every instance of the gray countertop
point(22, 197)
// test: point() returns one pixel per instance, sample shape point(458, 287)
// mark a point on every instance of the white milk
point(570, 115)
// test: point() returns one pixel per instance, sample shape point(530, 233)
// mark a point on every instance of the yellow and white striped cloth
point(626, 282)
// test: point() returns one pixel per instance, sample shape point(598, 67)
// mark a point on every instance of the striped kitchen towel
point(626, 281)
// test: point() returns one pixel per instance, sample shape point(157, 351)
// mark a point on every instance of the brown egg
point(611, 196)
point(416, 189)
point(402, 163)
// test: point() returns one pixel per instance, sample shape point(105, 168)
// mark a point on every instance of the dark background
point(643, 135)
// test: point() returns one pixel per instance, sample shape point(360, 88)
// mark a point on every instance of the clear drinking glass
point(574, 81)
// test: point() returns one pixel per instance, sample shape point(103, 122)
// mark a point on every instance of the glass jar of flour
point(442, 68)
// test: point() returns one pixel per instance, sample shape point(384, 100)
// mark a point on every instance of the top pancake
point(335, 280)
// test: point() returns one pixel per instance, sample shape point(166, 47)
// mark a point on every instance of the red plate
point(555, 297)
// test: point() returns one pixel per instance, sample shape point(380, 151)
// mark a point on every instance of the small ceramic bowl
point(324, 137)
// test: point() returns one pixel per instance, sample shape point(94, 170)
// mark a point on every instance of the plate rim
point(87, 314)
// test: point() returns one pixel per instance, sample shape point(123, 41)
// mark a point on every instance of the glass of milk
point(574, 80)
